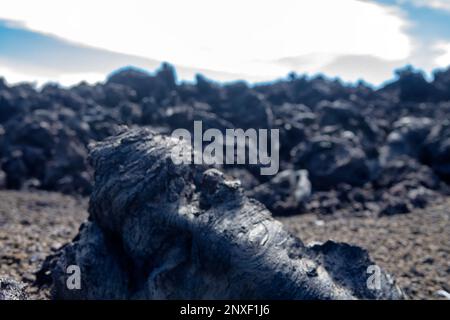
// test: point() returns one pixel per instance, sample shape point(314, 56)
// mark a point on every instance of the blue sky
point(255, 40)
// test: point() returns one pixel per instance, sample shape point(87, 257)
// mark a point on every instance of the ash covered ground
point(372, 166)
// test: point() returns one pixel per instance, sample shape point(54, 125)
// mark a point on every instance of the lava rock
point(11, 290)
point(2, 180)
point(130, 113)
point(144, 84)
point(437, 150)
point(7, 109)
point(343, 135)
point(441, 84)
point(346, 117)
point(50, 147)
point(413, 85)
point(163, 231)
point(284, 194)
point(333, 160)
point(245, 108)
point(406, 170)
point(296, 123)
point(248, 180)
point(407, 138)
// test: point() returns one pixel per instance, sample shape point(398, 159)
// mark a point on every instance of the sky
point(68, 41)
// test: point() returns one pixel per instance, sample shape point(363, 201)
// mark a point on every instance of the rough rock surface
point(332, 160)
point(166, 231)
point(285, 194)
point(11, 290)
point(437, 150)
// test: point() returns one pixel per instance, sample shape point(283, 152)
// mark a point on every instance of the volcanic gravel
point(32, 226)
point(414, 248)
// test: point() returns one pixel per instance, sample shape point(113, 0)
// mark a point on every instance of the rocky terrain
point(362, 151)
point(187, 231)
point(353, 161)
point(414, 248)
point(32, 226)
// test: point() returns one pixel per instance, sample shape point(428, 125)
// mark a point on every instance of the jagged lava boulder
point(158, 230)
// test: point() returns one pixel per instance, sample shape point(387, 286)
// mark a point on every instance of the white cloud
point(13, 76)
point(443, 60)
point(435, 4)
point(245, 37)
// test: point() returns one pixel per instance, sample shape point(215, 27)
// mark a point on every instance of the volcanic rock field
point(86, 179)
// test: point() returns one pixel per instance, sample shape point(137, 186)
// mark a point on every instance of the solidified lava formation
point(157, 230)
point(161, 230)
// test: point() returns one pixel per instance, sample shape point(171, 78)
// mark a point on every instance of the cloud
point(12, 76)
point(363, 67)
point(31, 56)
point(434, 4)
point(443, 60)
point(238, 37)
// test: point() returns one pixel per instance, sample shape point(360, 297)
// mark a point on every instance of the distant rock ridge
point(366, 151)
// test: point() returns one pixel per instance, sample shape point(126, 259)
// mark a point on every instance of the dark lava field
point(367, 166)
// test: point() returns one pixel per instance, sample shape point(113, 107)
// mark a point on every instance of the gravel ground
point(33, 225)
point(415, 248)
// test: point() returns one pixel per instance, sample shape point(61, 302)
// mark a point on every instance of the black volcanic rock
point(407, 138)
point(166, 231)
point(286, 193)
point(347, 117)
point(333, 160)
point(413, 85)
point(441, 84)
point(2, 179)
point(246, 109)
point(344, 135)
point(49, 147)
point(437, 150)
point(145, 84)
point(11, 290)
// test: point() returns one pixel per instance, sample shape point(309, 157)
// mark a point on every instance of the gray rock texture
point(11, 290)
point(157, 230)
